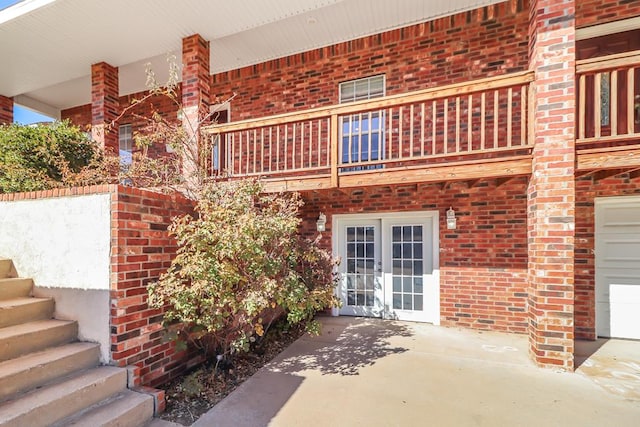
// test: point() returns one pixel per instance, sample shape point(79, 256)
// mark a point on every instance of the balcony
point(463, 131)
point(608, 131)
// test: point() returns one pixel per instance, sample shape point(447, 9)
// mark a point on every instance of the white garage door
point(618, 267)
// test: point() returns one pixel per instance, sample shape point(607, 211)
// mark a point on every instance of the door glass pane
point(360, 262)
point(407, 250)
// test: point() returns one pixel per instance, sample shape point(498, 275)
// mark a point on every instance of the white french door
point(389, 265)
point(361, 285)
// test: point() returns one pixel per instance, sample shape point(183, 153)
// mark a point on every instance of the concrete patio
point(382, 373)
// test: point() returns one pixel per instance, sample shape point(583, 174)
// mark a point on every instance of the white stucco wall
point(59, 242)
point(64, 245)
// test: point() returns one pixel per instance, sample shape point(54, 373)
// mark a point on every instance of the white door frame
point(340, 221)
point(341, 292)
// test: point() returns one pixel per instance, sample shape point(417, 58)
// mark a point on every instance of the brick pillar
point(195, 96)
point(105, 104)
point(6, 110)
point(551, 192)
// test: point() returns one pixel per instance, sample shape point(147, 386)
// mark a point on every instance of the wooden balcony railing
point(608, 99)
point(475, 122)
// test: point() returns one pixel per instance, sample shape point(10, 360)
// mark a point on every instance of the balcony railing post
point(334, 139)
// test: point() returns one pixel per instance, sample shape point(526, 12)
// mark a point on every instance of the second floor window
point(125, 144)
point(363, 133)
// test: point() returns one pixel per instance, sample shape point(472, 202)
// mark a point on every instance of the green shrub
point(239, 262)
point(42, 156)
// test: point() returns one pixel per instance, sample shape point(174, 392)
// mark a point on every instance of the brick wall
point(104, 104)
point(136, 115)
point(141, 251)
point(604, 184)
point(6, 110)
point(479, 43)
point(551, 193)
point(482, 263)
point(592, 12)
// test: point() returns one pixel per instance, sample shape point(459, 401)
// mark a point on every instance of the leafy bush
point(240, 263)
point(40, 157)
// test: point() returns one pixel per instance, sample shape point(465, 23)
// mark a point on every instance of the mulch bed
point(193, 394)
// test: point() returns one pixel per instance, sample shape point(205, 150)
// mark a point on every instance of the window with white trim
point(362, 134)
point(125, 144)
point(220, 113)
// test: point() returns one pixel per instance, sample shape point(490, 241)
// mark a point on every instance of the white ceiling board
point(47, 53)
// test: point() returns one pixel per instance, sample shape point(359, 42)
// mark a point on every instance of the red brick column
point(6, 110)
point(195, 94)
point(551, 192)
point(105, 104)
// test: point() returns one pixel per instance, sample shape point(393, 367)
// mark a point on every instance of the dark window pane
point(351, 298)
point(350, 282)
point(417, 233)
point(369, 234)
point(406, 251)
point(397, 301)
point(351, 250)
point(397, 284)
point(369, 250)
point(360, 298)
point(360, 250)
point(360, 234)
point(397, 250)
point(417, 285)
point(369, 299)
point(397, 234)
point(351, 266)
point(406, 233)
point(397, 268)
point(407, 269)
point(407, 283)
point(417, 302)
point(407, 302)
point(369, 282)
point(417, 250)
point(351, 234)
point(417, 268)
point(369, 266)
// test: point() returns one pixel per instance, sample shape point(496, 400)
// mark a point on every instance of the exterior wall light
point(321, 223)
point(451, 219)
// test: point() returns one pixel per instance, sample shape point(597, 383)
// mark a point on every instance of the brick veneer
point(104, 104)
point(551, 194)
point(592, 12)
point(141, 250)
point(6, 110)
point(195, 98)
point(587, 189)
point(483, 262)
point(195, 73)
point(484, 42)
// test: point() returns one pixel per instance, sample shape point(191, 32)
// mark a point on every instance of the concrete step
point(15, 288)
point(48, 405)
point(22, 339)
point(7, 269)
point(21, 310)
point(126, 409)
point(36, 369)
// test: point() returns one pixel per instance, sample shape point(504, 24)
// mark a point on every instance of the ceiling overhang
point(48, 46)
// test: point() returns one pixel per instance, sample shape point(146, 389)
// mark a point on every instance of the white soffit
point(47, 51)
